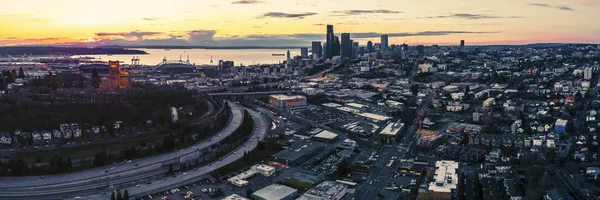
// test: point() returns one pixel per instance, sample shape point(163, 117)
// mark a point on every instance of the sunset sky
point(296, 22)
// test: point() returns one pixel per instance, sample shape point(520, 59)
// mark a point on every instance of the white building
point(587, 73)
point(445, 178)
point(288, 102)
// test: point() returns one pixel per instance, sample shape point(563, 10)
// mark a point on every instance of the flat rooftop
point(286, 97)
point(356, 105)
point(326, 190)
point(275, 191)
point(326, 135)
point(392, 129)
point(375, 116)
point(332, 105)
point(445, 177)
point(297, 150)
point(235, 197)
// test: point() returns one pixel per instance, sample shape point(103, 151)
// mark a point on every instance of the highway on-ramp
point(259, 132)
point(73, 183)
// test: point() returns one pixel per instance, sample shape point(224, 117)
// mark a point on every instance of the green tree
point(112, 196)
point(171, 168)
point(21, 73)
point(126, 195)
point(249, 192)
point(414, 89)
point(119, 196)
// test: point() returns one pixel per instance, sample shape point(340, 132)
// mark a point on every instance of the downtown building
point(346, 46)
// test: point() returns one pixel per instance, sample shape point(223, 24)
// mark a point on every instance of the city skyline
point(295, 23)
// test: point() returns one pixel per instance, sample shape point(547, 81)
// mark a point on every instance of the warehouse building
point(298, 153)
point(288, 102)
point(275, 192)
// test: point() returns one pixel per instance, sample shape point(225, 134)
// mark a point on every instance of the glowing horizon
point(295, 23)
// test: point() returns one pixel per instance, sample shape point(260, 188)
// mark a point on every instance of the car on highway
point(77, 197)
point(112, 168)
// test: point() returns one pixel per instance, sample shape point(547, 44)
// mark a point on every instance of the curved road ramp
point(95, 182)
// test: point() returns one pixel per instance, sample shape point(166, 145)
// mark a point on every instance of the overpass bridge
point(251, 93)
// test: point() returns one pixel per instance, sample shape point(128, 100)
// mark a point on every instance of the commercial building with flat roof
point(444, 180)
point(392, 129)
point(298, 153)
point(327, 190)
point(375, 117)
point(275, 192)
point(325, 136)
point(235, 197)
point(240, 179)
point(288, 102)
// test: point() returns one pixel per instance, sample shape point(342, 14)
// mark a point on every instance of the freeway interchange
point(95, 182)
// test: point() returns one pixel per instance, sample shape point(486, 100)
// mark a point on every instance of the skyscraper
point(384, 41)
point(335, 46)
point(304, 52)
point(369, 46)
point(354, 49)
point(329, 40)
point(316, 50)
point(462, 43)
point(346, 46)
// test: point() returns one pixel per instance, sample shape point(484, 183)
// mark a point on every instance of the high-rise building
point(346, 46)
point(587, 73)
point(329, 38)
point(354, 49)
point(304, 52)
point(335, 47)
point(316, 50)
point(462, 43)
point(384, 41)
point(369, 46)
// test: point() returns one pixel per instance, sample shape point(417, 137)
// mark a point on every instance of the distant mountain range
point(74, 49)
point(53, 50)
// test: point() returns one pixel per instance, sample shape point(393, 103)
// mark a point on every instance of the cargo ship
point(278, 54)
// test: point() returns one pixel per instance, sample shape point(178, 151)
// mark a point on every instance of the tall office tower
point(346, 46)
point(335, 48)
point(462, 43)
point(329, 39)
point(316, 50)
point(354, 49)
point(304, 52)
point(369, 46)
point(384, 41)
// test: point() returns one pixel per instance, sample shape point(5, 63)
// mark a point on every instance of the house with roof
point(5, 138)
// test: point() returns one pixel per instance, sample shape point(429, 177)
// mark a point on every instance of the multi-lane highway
point(70, 184)
point(258, 133)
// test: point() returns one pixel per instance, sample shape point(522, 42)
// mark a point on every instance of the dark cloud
point(468, 16)
point(350, 23)
point(360, 12)
point(567, 8)
point(247, 2)
point(319, 24)
point(545, 5)
point(540, 4)
point(150, 19)
point(136, 34)
point(286, 15)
